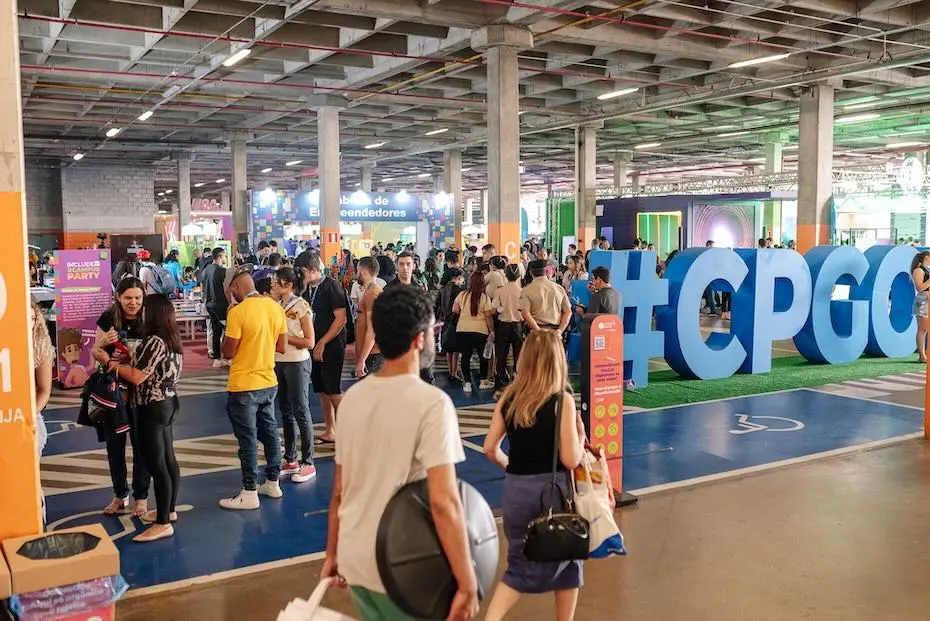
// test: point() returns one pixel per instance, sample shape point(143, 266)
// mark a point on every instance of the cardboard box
point(35, 575)
point(6, 585)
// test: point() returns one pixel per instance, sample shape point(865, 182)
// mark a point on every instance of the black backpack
point(102, 403)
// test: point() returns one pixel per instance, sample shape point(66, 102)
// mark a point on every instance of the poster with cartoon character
point(83, 291)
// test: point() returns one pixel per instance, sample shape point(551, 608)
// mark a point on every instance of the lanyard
point(314, 290)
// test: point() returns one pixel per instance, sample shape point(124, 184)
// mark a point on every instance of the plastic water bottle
point(488, 349)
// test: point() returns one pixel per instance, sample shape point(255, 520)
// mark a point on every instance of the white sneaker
point(246, 500)
point(487, 384)
point(218, 364)
point(466, 387)
point(271, 489)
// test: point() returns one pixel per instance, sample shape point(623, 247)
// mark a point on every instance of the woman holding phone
point(119, 333)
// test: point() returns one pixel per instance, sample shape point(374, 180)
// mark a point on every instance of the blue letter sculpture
point(890, 292)
point(836, 332)
point(691, 272)
point(632, 272)
point(772, 304)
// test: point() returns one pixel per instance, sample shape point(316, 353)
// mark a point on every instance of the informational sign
point(82, 292)
point(602, 390)
point(206, 204)
point(361, 206)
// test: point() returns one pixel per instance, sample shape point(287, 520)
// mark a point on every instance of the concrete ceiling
point(406, 68)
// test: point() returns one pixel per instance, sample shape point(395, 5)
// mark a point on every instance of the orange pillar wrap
point(506, 237)
point(20, 507)
point(811, 235)
point(586, 235)
point(20, 510)
point(329, 246)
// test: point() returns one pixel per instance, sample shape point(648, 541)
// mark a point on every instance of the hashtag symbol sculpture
point(633, 274)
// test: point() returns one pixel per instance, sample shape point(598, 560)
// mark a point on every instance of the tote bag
point(594, 501)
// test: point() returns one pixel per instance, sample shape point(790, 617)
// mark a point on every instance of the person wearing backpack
point(157, 279)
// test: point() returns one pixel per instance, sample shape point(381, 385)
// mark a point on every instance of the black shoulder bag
point(557, 537)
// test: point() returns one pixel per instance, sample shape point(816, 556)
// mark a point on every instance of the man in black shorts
point(328, 301)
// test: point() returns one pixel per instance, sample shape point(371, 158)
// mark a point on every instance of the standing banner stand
point(83, 291)
point(602, 394)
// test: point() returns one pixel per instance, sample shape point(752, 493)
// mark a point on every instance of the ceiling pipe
point(248, 82)
point(335, 50)
point(674, 29)
point(670, 103)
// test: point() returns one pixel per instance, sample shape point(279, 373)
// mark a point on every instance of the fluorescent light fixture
point(375, 145)
point(790, 147)
point(732, 134)
point(161, 193)
point(293, 163)
point(199, 185)
point(856, 118)
point(222, 180)
point(620, 93)
point(387, 179)
point(266, 170)
point(145, 116)
point(162, 211)
point(901, 145)
point(522, 112)
point(466, 169)
point(648, 145)
point(859, 106)
point(232, 60)
point(717, 128)
point(171, 92)
point(77, 157)
point(424, 175)
point(168, 191)
point(759, 61)
point(437, 131)
point(112, 132)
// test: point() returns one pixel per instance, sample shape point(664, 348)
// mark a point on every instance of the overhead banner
point(83, 291)
point(361, 206)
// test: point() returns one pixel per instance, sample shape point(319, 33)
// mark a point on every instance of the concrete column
point(20, 509)
point(502, 42)
point(452, 185)
point(621, 171)
point(225, 200)
point(240, 184)
point(328, 107)
point(635, 183)
point(586, 184)
point(815, 167)
point(366, 179)
point(184, 190)
point(305, 183)
point(773, 158)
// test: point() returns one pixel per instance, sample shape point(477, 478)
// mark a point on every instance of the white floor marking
point(869, 399)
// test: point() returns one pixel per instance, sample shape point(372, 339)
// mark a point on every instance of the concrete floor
point(841, 539)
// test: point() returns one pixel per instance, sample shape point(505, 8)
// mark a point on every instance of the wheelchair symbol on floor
point(747, 426)
point(127, 522)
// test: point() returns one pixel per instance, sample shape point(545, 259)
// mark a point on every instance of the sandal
point(154, 533)
point(140, 507)
point(321, 440)
point(117, 506)
point(150, 517)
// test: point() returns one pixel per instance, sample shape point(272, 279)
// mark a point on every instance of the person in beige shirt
point(495, 277)
point(475, 325)
point(508, 329)
point(544, 304)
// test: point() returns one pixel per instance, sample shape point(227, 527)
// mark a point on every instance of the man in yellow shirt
point(256, 328)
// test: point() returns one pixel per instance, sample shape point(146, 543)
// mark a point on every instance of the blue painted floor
point(661, 446)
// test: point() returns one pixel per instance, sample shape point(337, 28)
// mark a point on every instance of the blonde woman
point(526, 415)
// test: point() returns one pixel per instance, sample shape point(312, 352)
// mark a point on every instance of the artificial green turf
point(668, 388)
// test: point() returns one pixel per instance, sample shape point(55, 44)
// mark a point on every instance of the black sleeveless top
point(926, 278)
point(531, 447)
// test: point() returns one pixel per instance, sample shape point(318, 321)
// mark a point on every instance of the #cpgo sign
point(776, 294)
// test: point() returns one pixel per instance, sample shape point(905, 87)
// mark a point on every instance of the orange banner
point(20, 509)
point(330, 246)
point(810, 235)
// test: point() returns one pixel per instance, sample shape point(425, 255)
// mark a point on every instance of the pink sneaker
point(290, 468)
point(305, 473)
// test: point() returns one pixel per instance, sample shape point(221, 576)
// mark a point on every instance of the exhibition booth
point(681, 221)
point(365, 218)
point(864, 220)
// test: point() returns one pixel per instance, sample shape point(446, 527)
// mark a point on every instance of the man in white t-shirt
point(387, 443)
